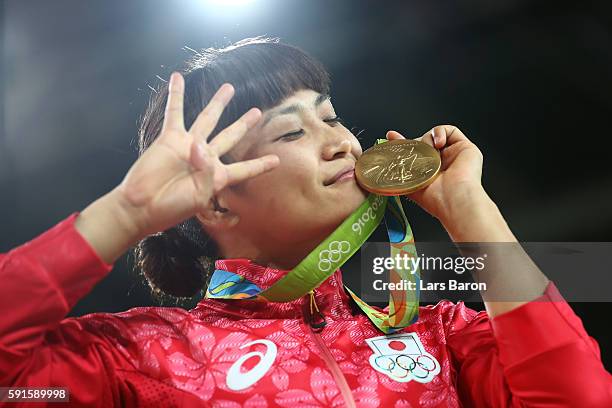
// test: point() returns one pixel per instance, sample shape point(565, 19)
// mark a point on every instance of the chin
point(338, 207)
point(350, 204)
point(360, 194)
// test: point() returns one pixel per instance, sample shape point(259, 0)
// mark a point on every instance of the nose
point(337, 146)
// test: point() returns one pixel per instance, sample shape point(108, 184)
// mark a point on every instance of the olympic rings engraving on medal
point(333, 254)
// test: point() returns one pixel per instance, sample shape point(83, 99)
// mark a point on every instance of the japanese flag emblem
point(403, 358)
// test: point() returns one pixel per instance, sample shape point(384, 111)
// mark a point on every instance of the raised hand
point(459, 176)
point(178, 174)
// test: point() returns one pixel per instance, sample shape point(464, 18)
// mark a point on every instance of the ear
point(217, 215)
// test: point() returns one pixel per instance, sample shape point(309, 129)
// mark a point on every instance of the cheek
point(296, 174)
point(298, 162)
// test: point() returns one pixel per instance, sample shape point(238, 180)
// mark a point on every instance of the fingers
point(241, 171)
point(438, 137)
point(427, 137)
point(393, 135)
point(443, 136)
point(228, 138)
point(173, 116)
point(207, 119)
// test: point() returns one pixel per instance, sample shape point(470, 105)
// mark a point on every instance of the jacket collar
point(330, 296)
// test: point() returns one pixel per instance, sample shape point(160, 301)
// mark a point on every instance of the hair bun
point(172, 264)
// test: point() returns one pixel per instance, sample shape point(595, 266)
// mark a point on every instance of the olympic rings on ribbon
point(333, 254)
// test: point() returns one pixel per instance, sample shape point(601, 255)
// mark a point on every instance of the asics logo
point(238, 379)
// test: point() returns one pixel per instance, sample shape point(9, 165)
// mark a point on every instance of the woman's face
point(313, 189)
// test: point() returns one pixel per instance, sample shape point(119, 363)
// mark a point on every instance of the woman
point(263, 175)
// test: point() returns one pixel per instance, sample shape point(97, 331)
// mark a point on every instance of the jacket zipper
point(330, 361)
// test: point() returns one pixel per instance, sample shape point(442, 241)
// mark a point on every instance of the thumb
point(393, 135)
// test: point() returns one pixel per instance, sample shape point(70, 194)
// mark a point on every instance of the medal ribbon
point(332, 253)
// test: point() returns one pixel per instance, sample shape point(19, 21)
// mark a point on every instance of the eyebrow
point(295, 108)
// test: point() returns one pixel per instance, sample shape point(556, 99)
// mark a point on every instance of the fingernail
point(433, 137)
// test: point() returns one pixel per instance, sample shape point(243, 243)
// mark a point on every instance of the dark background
point(528, 82)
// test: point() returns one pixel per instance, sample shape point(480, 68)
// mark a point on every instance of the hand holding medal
point(458, 176)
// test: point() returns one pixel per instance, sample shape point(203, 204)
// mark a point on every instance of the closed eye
point(294, 135)
point(333, 121)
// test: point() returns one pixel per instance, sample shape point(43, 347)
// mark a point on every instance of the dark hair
point(177, 262)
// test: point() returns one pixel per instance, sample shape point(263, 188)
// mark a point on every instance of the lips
point(345, 171)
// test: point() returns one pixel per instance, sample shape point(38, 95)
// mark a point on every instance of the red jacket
point(245, 353)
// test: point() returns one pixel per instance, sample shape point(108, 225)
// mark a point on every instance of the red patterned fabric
point(536, 355)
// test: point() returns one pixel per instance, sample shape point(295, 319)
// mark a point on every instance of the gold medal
point(397, 167)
